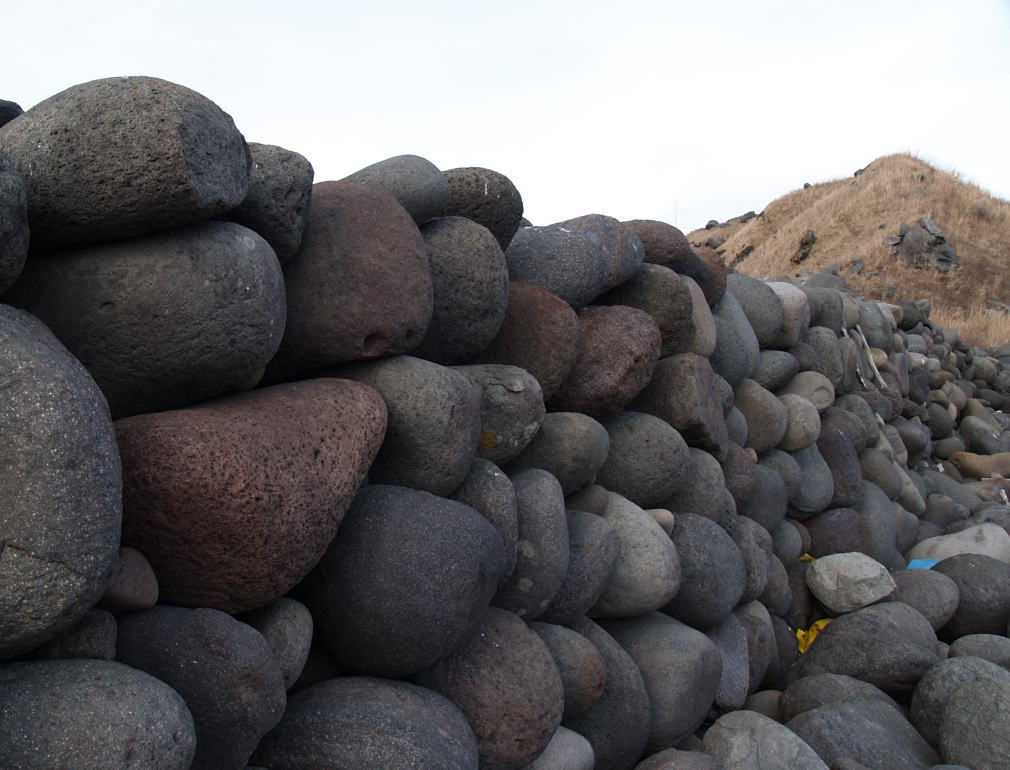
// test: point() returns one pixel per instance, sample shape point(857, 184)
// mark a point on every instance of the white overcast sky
point(679, 111)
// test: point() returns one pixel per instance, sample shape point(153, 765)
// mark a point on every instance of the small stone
point(592, 556)
point(580, 665)
point(133, 584)
point(287, 625)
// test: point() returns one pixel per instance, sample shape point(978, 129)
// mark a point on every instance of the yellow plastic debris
point(806, 637)
point(807, 558)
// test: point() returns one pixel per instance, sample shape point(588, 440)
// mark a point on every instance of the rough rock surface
point(61, 484)
point(241, 518)
point(124, 156)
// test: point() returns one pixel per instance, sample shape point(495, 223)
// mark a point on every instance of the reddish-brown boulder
point(617, 354)
point(235, 500)
point(540, 334)
point(360, 284)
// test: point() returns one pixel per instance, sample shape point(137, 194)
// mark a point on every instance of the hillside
point(853, 219)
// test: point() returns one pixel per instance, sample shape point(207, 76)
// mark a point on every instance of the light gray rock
point(814, 387)
point(795, 314)
point(844, 582)
point(768, 418)
point(736, 347)
point(985, 539)
point(567, 751)
point(287, 625)
point(760, 304)
point(803, 422)
point(647, 572)
point(747, 739)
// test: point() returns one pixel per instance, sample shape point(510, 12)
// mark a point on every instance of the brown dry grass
point(852, 217)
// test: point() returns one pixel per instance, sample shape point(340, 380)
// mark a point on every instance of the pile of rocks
point(372, 473)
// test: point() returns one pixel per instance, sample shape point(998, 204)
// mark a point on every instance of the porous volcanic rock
point(163, 320)
point(236, 520)
point(417, 184)
point(124, 156)
point(487, 197)
point(13, 223)
point(359, 285)
point(647, 460)
point(61, 485)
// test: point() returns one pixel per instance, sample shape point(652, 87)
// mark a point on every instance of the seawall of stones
point(372, 473)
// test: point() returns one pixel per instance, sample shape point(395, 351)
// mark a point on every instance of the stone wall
point(375, 473)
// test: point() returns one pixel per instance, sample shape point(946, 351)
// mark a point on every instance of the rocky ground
point(374, 473)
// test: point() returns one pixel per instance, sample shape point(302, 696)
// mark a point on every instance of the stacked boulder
point(373, 473)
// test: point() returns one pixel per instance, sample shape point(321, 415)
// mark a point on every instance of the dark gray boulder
point(713, 575)
point(647, 459)
point(13, 223)
point(932, 593)
point(404, 582)
point(570, 445)
point(818, 690)
point(747, 739)
point(287, 625)
point(681, 669)
point(775, 369)
point(624, 249)
point(704, 492)
point(767, 502)
point(61, 484)
point(618, 724)
point(487, 197)
point(817, 487)
point(489, 491)
point(434, 422)
point(984, 588)
point(581, 667)
point(975, 727)
point(360, 721)
point(760, 304)
point(512, 409)
point(991, 647)
point(593, 550)
point(684, 393)
point(573, 264)
point(940, 682)
point(93, 637)
point(676, 759)
point(504, 680)
point(869, 731)
point(125, 156)
point(730, 639)
point(416, 183)
point(277, 203)
point(542, 553)
point(736, 349)
point(225, 671)
point(8, 111)
point(889, 645)
point(163, 320)
point(91, 713)
point(470, 285)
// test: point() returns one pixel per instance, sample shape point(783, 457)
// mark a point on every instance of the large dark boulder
point(404, 581)
point(163, 320)
point(124, 156)
point(225, 671)
point(416, 183)
point(486, 197)
point(91, 713)
point(359, 286)
point(361, 721)
point(61, 483)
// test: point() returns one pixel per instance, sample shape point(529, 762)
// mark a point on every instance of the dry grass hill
point(853, 219)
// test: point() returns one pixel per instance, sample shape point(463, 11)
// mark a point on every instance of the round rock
point(680, 667)
point(61, 485)
point(434, 422)
point(287, 625)
point(489, 491)
point(132, 311)
point(225, 671)
point(542, 552)
point(504, 680)
point(767, 417)
point(647, 460)
point(124, 156)
point(573, 264)
point(747, 739)
point(470, 285)
point(277, 203)
point(940, 682)
point(336, 723)
point(647, 572)
point(592, 556)
point(571, 445)
point(133, 584)
point(713, 575)
point(486, 197)
point(932, 593)
point(760, 304)
point(623, 248)
point(984, 587)
point(90, 713)
point(567, 749)
point(416, 183)
point(803, 422)
point(512, 409)
point(363, 254)
point(736, 348)
point(406, 579)
point(975, 729)
point(617, 354)
point(844, 582)
point(580, 665)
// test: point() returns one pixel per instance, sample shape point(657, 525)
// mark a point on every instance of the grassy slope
point(852, 217)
